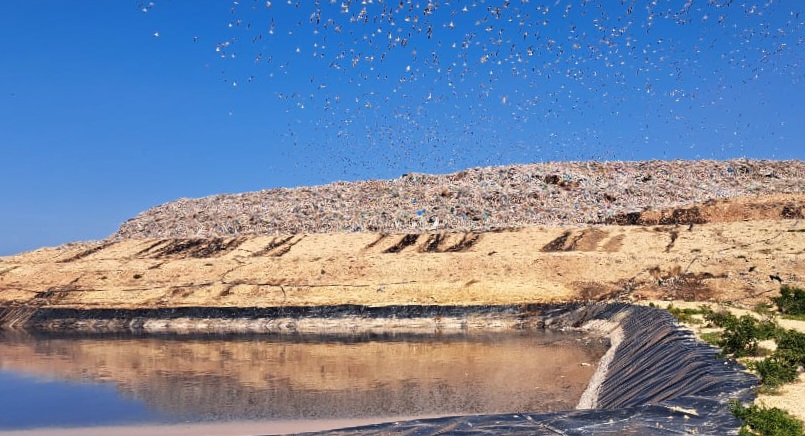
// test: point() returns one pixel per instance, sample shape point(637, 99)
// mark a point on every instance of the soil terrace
point(737, 250)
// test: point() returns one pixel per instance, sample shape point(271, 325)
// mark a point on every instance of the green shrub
point(711, 338)
point(763, 421)
point(791, 340)
point(791, 300)
point(740, 338)
point(774, 371)
point(740, 335)
point(764, 309)
point(791, 346)
point(722, 318)
point(685, 315)
point(766, 329)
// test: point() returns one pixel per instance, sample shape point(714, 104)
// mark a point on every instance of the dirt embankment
point(729, 250)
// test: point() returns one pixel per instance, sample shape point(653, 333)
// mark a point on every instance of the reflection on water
point(28, 401)
point(164, 379)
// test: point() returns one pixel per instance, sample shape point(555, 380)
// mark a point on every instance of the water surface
point(49, 381)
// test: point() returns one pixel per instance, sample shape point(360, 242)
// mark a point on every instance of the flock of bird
point(408, 77)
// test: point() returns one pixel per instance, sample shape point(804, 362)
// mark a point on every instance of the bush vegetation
point(741, 335)
point(791, 301)
point(763, 421)
point(774, 371)
point(722, 318)
point(739, 338)
point(791, 347)
point(711, 338)
point(686, 315)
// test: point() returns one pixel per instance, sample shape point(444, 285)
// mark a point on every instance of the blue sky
point(110, 107)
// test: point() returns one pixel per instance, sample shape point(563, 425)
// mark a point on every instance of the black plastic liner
point(47, 314)
point(279, 320)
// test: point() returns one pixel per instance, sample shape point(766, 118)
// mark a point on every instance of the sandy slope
point(726, 259)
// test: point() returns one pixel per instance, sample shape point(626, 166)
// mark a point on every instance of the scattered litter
point(479, 200)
